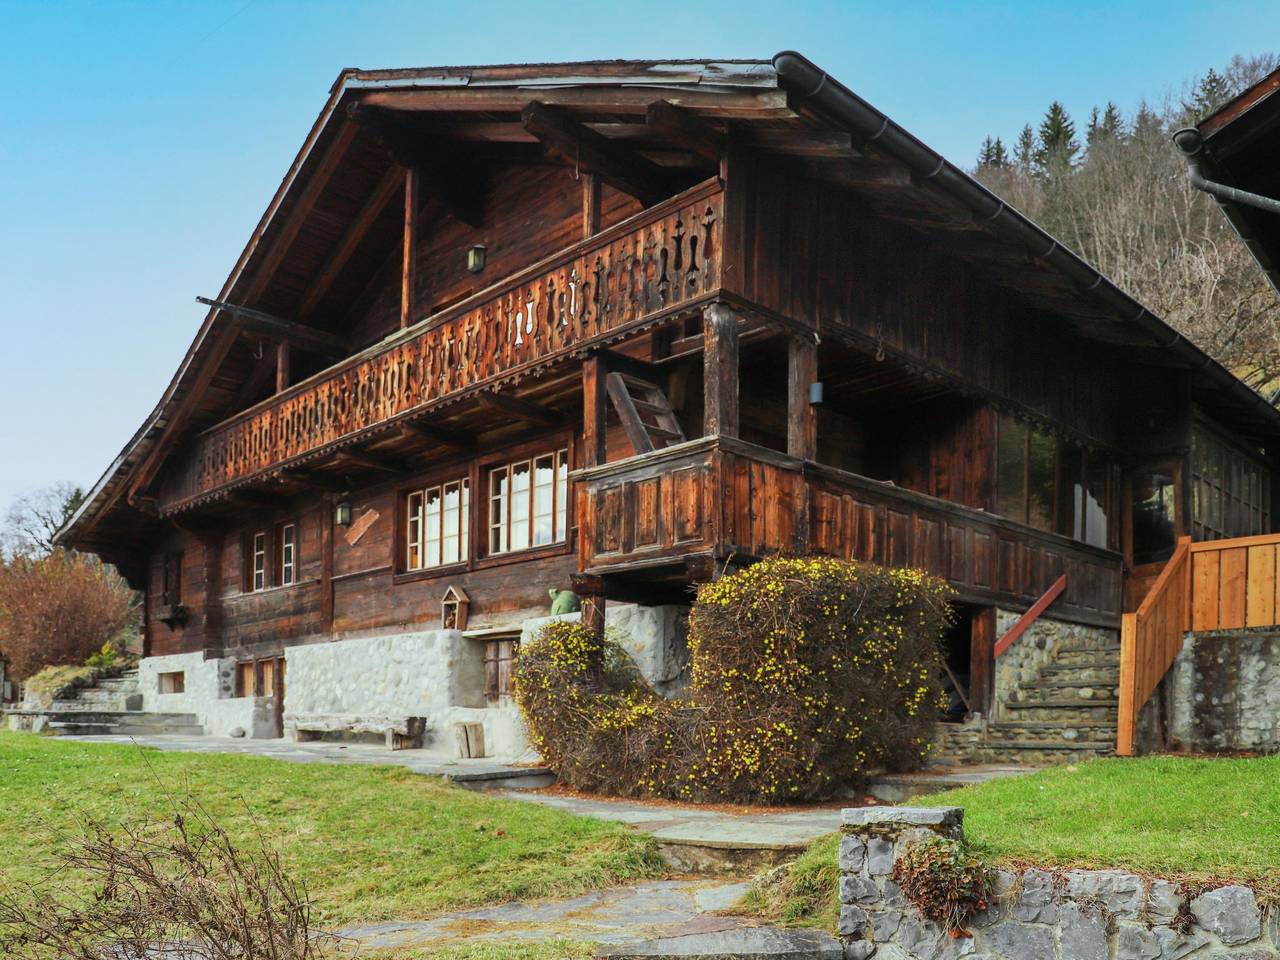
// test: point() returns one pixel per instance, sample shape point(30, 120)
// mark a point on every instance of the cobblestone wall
point(1021, 663)
point(1222, 693)
point(1037, 914)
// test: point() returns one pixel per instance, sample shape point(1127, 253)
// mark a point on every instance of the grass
point(1198, 820)
point(370, 843)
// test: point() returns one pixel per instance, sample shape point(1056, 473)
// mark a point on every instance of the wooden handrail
point(1032, 615)
point(1150, 639)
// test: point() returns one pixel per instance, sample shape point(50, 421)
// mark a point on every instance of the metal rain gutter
point(810, 82)
point(1190, 141)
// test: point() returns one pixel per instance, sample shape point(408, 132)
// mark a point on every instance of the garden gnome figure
point(563, 601)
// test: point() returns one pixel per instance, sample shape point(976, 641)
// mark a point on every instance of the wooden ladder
point(635, 399)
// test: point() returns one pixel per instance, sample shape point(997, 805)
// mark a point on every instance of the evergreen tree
point(1208, 94)
point(993, 153)
point(1104, 125)
point(1057, 145)
point(1025, 149)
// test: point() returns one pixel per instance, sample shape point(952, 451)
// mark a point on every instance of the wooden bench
point(402, 733)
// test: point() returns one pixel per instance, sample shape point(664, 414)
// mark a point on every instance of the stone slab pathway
point(470, 773)
point(662, 909)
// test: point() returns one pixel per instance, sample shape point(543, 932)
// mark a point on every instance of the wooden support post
point(802, 416)
point(720, 371)
point(282, 366)
point(593, 412)
point(590, 205)
point(211, 544)
point(408, 270)
point(982, 641)
point(327, 504)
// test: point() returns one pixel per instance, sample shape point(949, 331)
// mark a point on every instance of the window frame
point(258, 575)
point(286, 570)
point(562, 528)
point(412, 524)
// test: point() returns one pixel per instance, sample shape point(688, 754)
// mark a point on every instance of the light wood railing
point(1234, 583)
point(1150, 639)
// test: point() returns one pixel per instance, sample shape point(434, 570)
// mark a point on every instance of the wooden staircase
point(644, 411)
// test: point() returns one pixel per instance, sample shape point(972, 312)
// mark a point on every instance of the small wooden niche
point(453, 609)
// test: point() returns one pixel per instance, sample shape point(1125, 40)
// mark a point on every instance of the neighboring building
point(614, 326)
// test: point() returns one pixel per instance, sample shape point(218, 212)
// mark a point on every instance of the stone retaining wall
point(1021, 663)
point(1038, 914)
point(1222, 693)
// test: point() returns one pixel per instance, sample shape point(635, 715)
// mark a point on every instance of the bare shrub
point(58, 609)
point(163, 890)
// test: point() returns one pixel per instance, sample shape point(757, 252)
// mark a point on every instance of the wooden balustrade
point(1150, 640)
point(1234, 583)
point(724, 497)
point(634, 273)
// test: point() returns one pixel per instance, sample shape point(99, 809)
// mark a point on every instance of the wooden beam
point(590, 205)
point(275, 329)
point(802, 416)
point(720, 371)
point(390, 184)
point(282, 366)
point(313, 481)
point(584, 149)
point(522, 409)
point(299, 212)
point(758, 104)
point(450, 185)
point(628, 414)
point(452, 439)
point(594, 411)
point(370, 461)
point(683, 128)
point(408, 256)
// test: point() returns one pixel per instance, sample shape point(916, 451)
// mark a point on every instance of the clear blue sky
point(140, 142)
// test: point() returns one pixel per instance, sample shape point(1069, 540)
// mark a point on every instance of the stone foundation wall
point(1037, 914)
point(209, 694)
point(1222, 693)
point(1021, 663)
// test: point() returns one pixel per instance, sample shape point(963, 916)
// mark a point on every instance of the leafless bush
point(179, 889)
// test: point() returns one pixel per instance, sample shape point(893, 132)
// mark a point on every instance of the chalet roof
point(786, 106)
point(1239, 146)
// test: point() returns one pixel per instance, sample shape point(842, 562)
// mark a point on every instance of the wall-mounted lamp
point(342, 513)
point(475, 258)
point(815, 393)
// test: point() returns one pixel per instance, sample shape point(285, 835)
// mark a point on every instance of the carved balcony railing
point(635, 273)
point(719, 497)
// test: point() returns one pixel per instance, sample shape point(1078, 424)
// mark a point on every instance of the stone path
point(481, 774)
point(663, 908)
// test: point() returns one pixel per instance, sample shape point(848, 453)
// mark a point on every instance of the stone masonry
point(1037, 914)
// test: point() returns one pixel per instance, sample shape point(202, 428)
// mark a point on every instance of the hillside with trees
point(1116, 191)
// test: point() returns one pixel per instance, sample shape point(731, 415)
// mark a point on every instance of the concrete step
point(1099, 669)
point(1071, 653)
point(1045, 752)
point(66, 728)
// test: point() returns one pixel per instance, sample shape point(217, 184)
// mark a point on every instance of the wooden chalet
point(616, 325)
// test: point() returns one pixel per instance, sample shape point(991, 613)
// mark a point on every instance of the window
point(1051, 484)
point(436, 525)
point(258, 559)
point(288, 554)
point(259, 678)
point(528, 503)
point(173, 682)
point(1230, 489)
point(1154, 516)
point(499, 661)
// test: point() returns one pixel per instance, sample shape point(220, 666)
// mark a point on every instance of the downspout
point(810, 83)
point(1191, 143)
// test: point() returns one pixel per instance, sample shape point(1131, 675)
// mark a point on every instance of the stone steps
point(1043, 691)
point(122, 723)
point(1065, 711)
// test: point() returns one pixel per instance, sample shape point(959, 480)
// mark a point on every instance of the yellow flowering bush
point(806, 673)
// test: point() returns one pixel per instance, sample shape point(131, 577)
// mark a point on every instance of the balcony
point(648, 268)
point(710, 499)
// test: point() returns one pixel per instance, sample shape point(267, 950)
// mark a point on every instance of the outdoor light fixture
point(475, 259)
point(815, 392)
point(342, 513)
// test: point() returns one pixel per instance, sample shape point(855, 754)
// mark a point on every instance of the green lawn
point(1197, 819)
point(371, 843)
